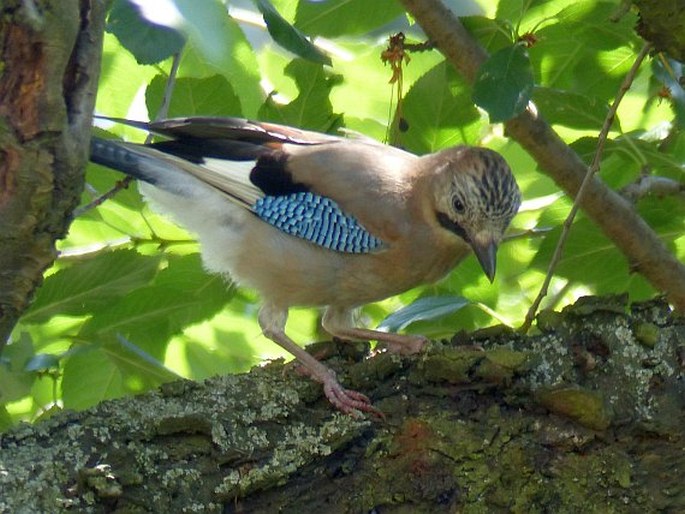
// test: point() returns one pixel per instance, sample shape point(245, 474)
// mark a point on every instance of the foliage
point(128, 306)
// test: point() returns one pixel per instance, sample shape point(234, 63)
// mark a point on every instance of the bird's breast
point(289, 271)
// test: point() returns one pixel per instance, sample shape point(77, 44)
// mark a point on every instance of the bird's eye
point(458, 204)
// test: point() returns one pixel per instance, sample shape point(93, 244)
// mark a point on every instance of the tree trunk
point(49, 65)
point(585, 417)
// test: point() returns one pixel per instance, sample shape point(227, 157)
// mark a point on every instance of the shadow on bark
point(585, 416)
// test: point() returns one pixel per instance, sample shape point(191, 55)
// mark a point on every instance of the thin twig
point(163, 111)
point(527, 234)
point(589, 175)
point(100, 199)
point(161, 114)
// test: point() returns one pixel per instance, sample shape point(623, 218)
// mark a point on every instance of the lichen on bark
point(585, 415)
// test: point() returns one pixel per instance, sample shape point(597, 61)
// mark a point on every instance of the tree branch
point(590, 408)
point(650, 185)
point(613, 214)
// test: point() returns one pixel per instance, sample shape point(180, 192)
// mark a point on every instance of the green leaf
point(101, 179)
point(426, 308)
point(312, 108)
point(288, 36)
point(90, 284)
point(149, 42)
point(365, 93)
point(134, 360)
point(582, 51)
point(493, 35)
point(591, 259)
point(635, 152)
point(109, 369)
point(89, 377)
point(182, 294)
point(208, 25)
point(447, 120)
point(211, 96)
point(237, 63)
point(571, 109)
point(5, 419)
point(15, 381)
point(345, 17)
point(504, 83)
point(527, 14)
point(121, 75)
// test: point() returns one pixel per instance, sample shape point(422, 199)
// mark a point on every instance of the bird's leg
point(339, 322)
point(272, 320)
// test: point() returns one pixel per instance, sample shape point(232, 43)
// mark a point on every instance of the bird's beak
point(487, 256)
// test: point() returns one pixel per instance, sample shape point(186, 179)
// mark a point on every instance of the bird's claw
point(349, 401)
point(408, 345)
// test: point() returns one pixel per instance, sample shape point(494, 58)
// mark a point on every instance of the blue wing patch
point(317, 219)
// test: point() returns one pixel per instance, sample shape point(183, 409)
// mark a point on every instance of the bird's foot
point(403, 344)
point(348, 401)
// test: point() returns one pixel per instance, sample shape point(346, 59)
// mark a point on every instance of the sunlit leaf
point(504, 83)
point(211, 96)
point(207, 24)
point(149, 42)
point(526, 12)
point(15, 380)
point(121, 74)
point(571, 109)
point(5, 418)
point(636, 151)
point(90, 377)
point(312, 108)
point(134, 360)
point(288, 36)
point(450, 118)
point(109, 368)
point(236, 62)
point(348, 17)
point(90, 284)
point(591, 259)
point(492, 34)
point(182, 294)
point(582, 51)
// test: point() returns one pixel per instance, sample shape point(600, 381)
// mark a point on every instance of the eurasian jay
point(309, 219)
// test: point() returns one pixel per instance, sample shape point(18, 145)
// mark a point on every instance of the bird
point(320, 220)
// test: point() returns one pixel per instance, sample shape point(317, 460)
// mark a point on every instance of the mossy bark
point(49, 66)
point(585, 416)
point(662, 23)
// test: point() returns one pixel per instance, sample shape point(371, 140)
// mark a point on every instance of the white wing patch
point(232, 177)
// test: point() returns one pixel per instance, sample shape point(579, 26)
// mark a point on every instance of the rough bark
point(662, 22)
point(587, 416)
point(49, 65)
point(615, 216)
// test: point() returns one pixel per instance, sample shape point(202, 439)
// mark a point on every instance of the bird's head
point(475, 198)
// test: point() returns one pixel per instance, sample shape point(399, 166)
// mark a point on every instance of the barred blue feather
point(316, 219)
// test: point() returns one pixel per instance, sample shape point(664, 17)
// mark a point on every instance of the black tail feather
point(112, 154)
